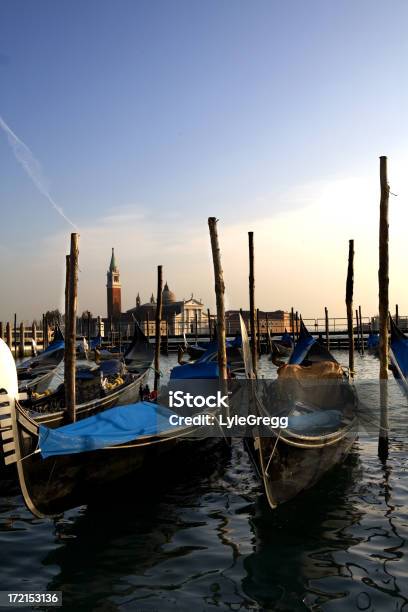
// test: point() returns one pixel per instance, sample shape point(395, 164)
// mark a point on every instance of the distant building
point(181, 315)
point(276, 321)
point(114, 289)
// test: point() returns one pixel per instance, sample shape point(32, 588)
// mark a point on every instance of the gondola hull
point(288, 469)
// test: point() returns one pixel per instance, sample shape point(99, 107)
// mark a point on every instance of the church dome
point(168, 296)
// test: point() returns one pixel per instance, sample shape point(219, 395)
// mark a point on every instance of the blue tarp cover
point(115, 426)
point(315, 422)
point(400, 349)
point(301, 349)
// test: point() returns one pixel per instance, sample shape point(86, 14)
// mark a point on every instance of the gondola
point(196, 350)
point(315, 394)
point(62, 468)
point(36, 372)
point(281, 347)
point(206, 366)
point(399, 355)
point(98, 394)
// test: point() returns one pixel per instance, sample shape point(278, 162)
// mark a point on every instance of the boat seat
point(315, 422)
point(319, 370)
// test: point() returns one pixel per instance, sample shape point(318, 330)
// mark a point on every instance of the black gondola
point(86, 460)
point(320, 403)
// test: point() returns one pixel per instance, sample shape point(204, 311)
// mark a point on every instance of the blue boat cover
point(301, 349)
point(399, 347)
point(115, 426)
point(315, 422)
point(286, 339)
point(191, 371)
point(95, 342)
point(373, 340)
point(110, 367)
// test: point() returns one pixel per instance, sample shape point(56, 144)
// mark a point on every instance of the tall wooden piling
point(396, 314)
point(219, 294)
point(34, 339)
point(70, 336)
point(8, 334)
point(252, 300)
point(15, 335)
point(383, 307)
point(361, 330)
point(297, 324)
point(326, 324)
point(292, 324)
point(258, 332)
point(349, 305)
point(21, 342)
point(158, 327)
point(358, 332)
point(67, 259)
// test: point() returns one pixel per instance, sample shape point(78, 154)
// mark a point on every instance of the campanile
point(113, 288)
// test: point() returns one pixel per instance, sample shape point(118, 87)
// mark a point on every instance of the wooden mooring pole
point(383, 307)
point(70, 339)
point(349, 305)
point(158, 327)
point(21, 342)
point(252, 300)
point(15, 335)
point(361, 330)
point(358, 332)
point(396, 314)
point(219, 295)
point(292, 324)
point(8, 334)
point(326, 320)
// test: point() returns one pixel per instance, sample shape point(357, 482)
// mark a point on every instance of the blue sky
point(163, 113)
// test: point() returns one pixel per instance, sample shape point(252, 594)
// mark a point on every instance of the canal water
point(203, 538)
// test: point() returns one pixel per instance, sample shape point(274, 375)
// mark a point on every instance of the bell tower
point(113, 288)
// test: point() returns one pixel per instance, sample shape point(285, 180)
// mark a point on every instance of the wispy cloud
point(32, 168)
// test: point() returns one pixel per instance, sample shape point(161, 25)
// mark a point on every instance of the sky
point(134, 121)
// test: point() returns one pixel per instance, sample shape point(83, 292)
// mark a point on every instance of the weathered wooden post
point(358, 332)
point(15, 335)
point(349, 305)
point(158, 327)
point(297, 324)
point(292, 324)
point(383, 281)
point(66, 294)
point(209, 324)
point(70, 337)
point(252, 300)
point(21, 343)
point(361, 330)
point(396, 315)
point(34, 339)
point(8, 334)
point(326, 319)
point(268, 337)
point(258, 332)
point(167, 336)
point(219, 294)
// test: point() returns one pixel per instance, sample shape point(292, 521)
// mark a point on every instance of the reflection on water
point(204, 538)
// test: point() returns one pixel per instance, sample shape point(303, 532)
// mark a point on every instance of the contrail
point(32, 167)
